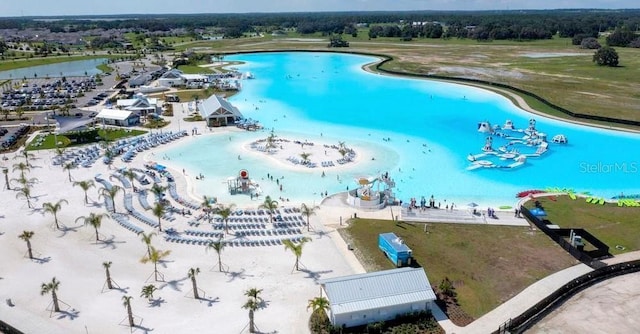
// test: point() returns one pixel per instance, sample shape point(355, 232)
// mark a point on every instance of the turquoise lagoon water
point(76, 68)
point(431, 127)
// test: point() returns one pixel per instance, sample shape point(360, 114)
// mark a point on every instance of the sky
point(102, 7)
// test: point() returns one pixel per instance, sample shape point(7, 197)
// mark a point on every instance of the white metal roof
point(194, 77)
point(379, 289)
point(212, 106)
point(116, 114)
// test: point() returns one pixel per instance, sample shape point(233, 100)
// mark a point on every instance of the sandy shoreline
point(74, 258)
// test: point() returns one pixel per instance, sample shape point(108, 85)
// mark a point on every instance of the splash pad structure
point(242, 184)
point(366, 197)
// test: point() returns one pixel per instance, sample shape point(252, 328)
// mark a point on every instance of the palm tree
point(22, 180)
point(95, 220)
point(158, 190)
point(130, 175)
point(68, 167)
point(192, 275)
point(111, 194)
point(126, 301)
point(26, 193)
point(206, 206)
point(107, 265)
point(22, 167)
point(217, 246)
point(26, 155)
point(308, 211)
point(53, 209)
point(305, 157)
point(60, 151)
point(147, 291)
point(5, 171)
point(318, 303)
point(146, 238)
point(295, 249)
point(254, 293)
point(85, 185)
point(26, 236)
point(51, 287)
point(269, 205)
point(159, 210)
point(155, 256)
point(252, 304)
point(225, 212)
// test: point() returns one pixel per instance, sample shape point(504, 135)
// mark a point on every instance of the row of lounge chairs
point(128, 204)
point(142, 198)
point(206, 234)
point(174, 194)
point(124, 222)
point(327, 164)
point(106, 184)
point(275, 232)
point(125, 182)
point(233, 243)
point(82, 157)
point(140, 178)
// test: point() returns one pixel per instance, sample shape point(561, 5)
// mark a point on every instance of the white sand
point(76, 261)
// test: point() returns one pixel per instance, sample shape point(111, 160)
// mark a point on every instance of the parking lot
point(42, 94)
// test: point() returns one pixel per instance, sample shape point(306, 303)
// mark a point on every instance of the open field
point(611, 224)
point(553, 69)
point(488, 264)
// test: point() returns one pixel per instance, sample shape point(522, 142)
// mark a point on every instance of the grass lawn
point(74, 139)
point(191, 69)
point(104, 68)
point(610, 223)
point(488, 264)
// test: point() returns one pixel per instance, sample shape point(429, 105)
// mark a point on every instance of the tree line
point(478, 25)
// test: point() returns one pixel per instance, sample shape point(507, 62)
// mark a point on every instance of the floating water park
point(516, 145)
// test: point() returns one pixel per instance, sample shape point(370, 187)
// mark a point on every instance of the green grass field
point(191, 69)
point(613, 225)
point(488, 264)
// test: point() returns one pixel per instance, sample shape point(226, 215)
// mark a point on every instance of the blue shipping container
point(395, 249)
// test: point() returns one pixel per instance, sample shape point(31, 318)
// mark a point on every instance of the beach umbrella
point(472, 205)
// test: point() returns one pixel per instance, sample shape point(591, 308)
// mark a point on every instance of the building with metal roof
point(217, 111)
point(378, 296)
point(118, 117)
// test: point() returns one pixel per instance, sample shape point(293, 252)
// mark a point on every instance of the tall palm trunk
point(29, 249)
point(252, 327)
point(109, 284)
point(130, 315)
point(226, 226)
point(97, 236)
point(155, 270)
point(56, 306)
point(219, 262)
point(195, 287)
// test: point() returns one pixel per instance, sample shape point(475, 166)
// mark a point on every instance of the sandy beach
point(75, 259)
